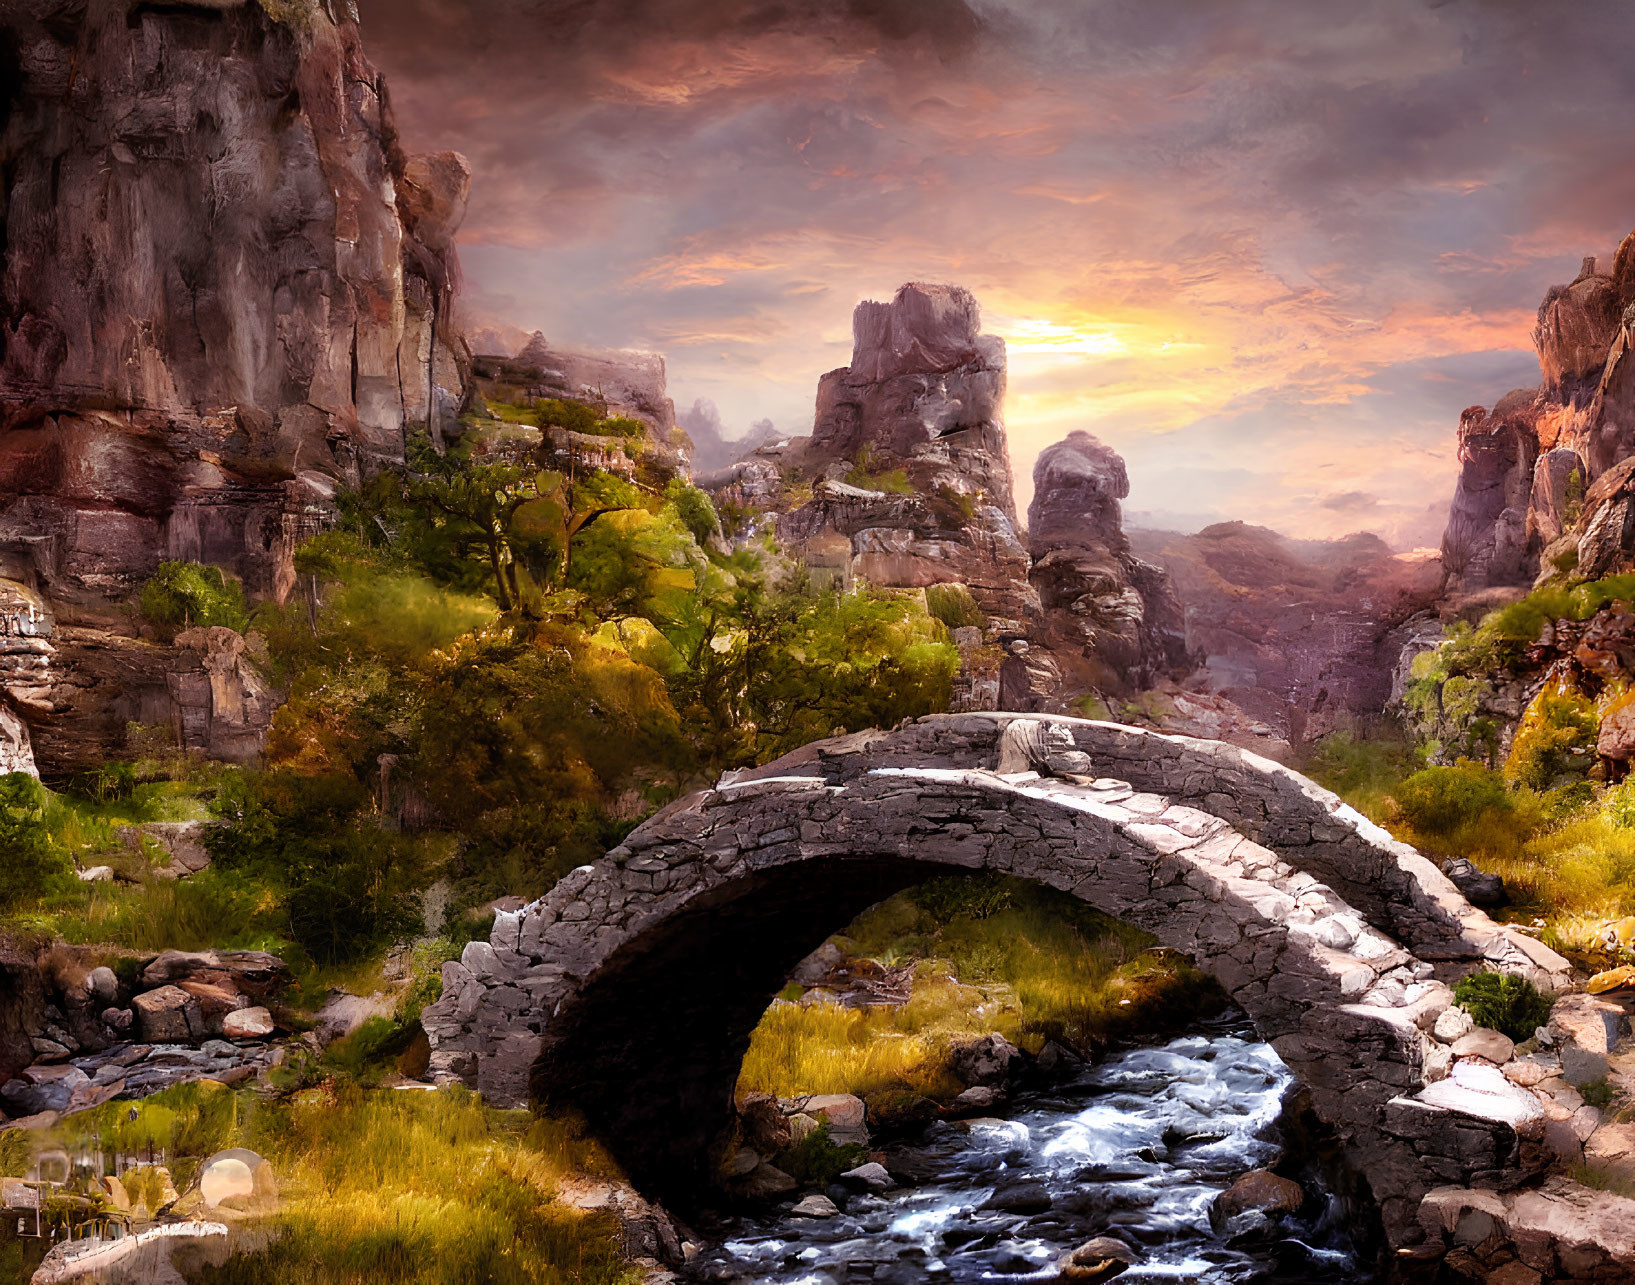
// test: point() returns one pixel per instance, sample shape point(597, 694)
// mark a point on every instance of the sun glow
point(1049, 338)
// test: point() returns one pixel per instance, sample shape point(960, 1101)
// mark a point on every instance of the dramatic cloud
point(1262, 248)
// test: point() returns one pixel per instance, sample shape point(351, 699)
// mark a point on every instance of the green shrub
point(695, 509)
point(1503, 1002)
point(1555, 741)
point(620, 426)
point(576, 417)
point(30, 862)
point(1597, 1093)
point(954, 606)
point(1437, 801)
point(185, 594)
point(815, 1161)
point(343, 882)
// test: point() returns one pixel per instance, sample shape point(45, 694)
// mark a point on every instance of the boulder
point(247, 1024)
point(41, 1088)
point(252, 973)
point(342, 1014)
point(1480, 889)
point(101, 983)
point(1611, 1149)
point(844, 1113)
point(871, 1177)
point(766, 1182)
point(815, 1206)
point(167, 1015)
point(1260, 1191)
point(1484, 1043)
point(984, 1061)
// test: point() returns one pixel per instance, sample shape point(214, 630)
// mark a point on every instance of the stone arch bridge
point(631, 990)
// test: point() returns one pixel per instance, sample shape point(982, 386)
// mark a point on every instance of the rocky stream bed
point(1141, 1147)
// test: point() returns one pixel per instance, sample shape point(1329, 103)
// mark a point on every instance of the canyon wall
point(226, 288)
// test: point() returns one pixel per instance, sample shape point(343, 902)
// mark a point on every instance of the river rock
point(102, 984)
point(845, 1114)
point(1260, 1191)
point(767, 1182)
point(872, 1176)
point(986, 1061)
point(1100, 1259)
point(167, 1014)
point(1020, 1198)
point(815, 1206)
point(247, 1024)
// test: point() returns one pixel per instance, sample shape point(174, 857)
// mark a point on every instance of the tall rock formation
point(910, 487)
point(908, 454)
point(226, 288)
point(1533, 491)
point(1113, 619)
point(225, 285)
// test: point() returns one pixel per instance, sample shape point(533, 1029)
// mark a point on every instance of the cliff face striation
point(226, 287)
point(1536, 489)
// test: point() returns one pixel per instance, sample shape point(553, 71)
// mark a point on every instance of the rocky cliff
point(616, 382)
point(908, 457)
point(1532, 494)
point(226, 287)
point(1113, 619)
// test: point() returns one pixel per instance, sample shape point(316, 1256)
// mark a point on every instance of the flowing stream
point(1136, 1147)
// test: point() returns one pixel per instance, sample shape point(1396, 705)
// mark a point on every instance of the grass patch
point(994, 954)
point(388, 1187)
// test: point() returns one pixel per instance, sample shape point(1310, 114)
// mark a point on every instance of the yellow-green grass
point(995, 955)
point(399, 1188)
point(1568, 865)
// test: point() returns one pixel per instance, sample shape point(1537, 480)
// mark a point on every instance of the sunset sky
point(1267, 250)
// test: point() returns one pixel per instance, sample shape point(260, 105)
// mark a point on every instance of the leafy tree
point(483, 497)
